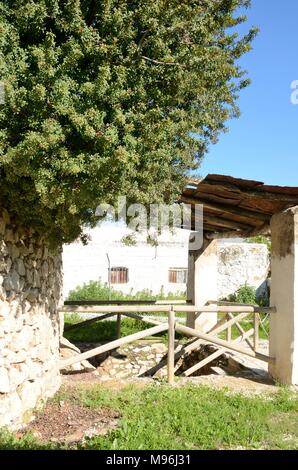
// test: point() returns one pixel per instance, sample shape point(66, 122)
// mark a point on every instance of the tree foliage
point(103, 98)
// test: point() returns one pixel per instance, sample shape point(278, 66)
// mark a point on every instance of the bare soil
point(241, 384)
point(69, 423)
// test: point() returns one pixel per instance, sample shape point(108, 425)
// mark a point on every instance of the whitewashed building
point(163, 267)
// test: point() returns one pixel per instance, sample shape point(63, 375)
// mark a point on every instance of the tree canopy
point(108, 98)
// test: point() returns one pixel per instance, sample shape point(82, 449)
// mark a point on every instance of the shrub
point(100, 99)
point(96, 290)
point(244, 295)
point(129, 240)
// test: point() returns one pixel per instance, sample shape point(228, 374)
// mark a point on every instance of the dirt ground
point(242, 384)
point(69, 423)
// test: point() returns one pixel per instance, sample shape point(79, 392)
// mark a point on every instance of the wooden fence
point(232, 315)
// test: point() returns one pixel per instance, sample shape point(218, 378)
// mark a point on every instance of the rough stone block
point(4, 381)
point(22, 340)
point(21, 267)
point(4, 310)
point(12, 282)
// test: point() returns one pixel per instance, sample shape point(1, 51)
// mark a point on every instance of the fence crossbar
point(135, 311)
point(220, 342)
point(112, 345)
point(215, 355)
point(88, 322)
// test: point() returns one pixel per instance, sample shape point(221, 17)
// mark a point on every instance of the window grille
point(119, 275)
point(178, 275)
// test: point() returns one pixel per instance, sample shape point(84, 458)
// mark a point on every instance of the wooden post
point(171, 346)
point(256, 330)
point(118, 325)
point(229, 330)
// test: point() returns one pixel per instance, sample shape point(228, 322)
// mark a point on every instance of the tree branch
point(142, 40)
point(91, 13)
point(159, 62)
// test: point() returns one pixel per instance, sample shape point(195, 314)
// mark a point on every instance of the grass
point(176, 418)
point(184, 418)
point(105, 330)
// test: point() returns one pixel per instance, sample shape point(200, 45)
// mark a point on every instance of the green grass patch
point(105, 330)
point(188, 417)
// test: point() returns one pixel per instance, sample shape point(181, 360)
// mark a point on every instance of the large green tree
point(103, 98)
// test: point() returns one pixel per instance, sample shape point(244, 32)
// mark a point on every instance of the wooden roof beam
point(264, 230)
point(247, 193)
point(222, 222)
point(236, 210)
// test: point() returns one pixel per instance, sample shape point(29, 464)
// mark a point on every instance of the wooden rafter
point(237, 207)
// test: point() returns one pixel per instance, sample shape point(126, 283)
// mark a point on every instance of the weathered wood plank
point(115, 308)
point(227, 208)
point(241, 330)
point(112, 345)
point(144, 318)
point(256, 331)
point(123, 302)
point(88, 322)
point(224, 222)
point(171, 346)
point(231, 190)
point(118, 325)
point(218, 328)
point(229, 331)
point(220, 342)
point(213, 356)
point(224, 309)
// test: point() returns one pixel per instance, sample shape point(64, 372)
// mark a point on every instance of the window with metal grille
point(178, 275)
point(119, 275)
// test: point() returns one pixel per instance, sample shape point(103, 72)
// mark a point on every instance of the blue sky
point(263, 143)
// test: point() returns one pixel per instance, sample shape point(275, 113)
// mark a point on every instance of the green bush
point(262, 240)
point(96, 290)
point(244, 295)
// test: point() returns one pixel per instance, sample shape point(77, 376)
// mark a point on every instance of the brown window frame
point(118, 275)
point(174, 275)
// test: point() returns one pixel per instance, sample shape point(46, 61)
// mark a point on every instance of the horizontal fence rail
point(125, 302)
point(234, 313)
point(115, 308)
point(164, 308)
point(224, 309)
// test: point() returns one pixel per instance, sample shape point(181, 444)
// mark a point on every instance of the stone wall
point(148, 358)
point(30, 286)
point(241, 263)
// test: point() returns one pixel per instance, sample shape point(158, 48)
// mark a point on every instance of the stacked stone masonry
point(30, 286)
point(147, 358)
